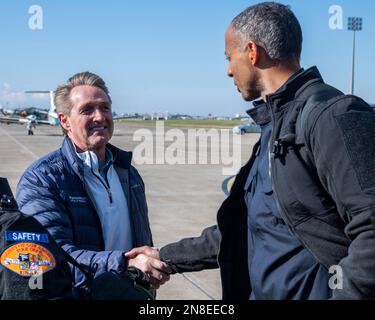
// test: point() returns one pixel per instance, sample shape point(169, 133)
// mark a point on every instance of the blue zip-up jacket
point(53, 191)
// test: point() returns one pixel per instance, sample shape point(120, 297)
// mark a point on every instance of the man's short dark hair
point(274, 27)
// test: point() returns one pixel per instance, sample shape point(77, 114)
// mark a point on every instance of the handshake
point(147, 260)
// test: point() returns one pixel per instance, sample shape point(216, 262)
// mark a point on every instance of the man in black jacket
point(297, 222)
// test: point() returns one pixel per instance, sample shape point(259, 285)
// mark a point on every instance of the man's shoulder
point(40, 173)
point(334, 116)
point(122, 158)
point(134, 173)
point(334, 107)
point(50, 162)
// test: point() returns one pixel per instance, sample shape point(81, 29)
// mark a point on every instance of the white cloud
point(8, 96)
point(12, 98)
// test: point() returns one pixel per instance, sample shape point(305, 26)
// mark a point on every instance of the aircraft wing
point(8, 120)
point(43, 122)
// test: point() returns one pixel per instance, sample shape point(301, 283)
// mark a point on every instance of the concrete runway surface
point(183, 199)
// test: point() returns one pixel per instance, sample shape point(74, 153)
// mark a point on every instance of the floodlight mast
point(354, 24)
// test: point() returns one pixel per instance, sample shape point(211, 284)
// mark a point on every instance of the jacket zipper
point(107, 188)
point(93, 205)
point(283, 212)
point(275, 144)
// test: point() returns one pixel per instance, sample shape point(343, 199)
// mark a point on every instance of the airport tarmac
point(183, 199)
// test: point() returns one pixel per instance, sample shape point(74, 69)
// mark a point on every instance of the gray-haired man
point(87, 193)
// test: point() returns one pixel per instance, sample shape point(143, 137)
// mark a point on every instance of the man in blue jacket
point(87, 193)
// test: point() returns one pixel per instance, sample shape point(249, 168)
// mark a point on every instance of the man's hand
point(147, 260)
point(152, 252)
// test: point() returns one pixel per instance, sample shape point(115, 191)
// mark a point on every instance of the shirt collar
point(90, 159)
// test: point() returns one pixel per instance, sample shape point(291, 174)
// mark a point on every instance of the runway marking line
point(26, 149)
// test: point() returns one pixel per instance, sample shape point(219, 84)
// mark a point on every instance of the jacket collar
point(260, 113)
point(121, 158)
point(292, 87)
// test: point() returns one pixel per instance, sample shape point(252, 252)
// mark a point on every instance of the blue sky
point(164, 55)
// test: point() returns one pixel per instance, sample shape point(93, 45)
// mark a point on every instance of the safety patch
point(27, 259)
point(359, 135)
point(26, 236)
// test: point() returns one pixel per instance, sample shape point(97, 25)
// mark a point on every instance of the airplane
point(6, 112)
point(16, 117)
point(52, 114)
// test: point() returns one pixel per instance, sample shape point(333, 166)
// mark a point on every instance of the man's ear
point(64, 121)
point(253, 52)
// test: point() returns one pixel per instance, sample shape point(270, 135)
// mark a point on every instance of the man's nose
point(229, 72)
point(99, 115)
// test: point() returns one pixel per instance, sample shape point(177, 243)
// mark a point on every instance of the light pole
point(354, 24)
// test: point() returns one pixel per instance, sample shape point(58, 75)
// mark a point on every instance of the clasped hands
point(147, 260)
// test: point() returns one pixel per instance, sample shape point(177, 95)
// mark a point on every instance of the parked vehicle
point(249, 127)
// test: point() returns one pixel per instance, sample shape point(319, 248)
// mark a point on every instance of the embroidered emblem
point(27, 259)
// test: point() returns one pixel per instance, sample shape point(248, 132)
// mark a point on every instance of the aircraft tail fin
point(52, 114)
